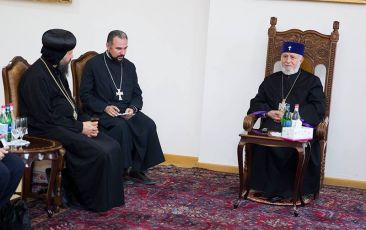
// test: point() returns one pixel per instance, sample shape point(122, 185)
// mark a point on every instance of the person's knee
point(19, 171)
point(151, 124)
point(17, 165)
point(4, 177)
point(120, 124)
point(113, 146)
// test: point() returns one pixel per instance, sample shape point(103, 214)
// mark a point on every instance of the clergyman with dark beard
point(93, 161)
point(109, 89)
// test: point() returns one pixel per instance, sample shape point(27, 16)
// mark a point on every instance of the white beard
point(291, 71)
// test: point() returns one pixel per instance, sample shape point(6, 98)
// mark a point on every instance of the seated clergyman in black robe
point(11, 172)
point(109, 90)
point(93, 160)
point(274, 168)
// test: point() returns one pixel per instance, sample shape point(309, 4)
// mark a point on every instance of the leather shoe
point(140, 177)
point(69, 201)
point(258, 194)
point(127, 180)
point(275, 199)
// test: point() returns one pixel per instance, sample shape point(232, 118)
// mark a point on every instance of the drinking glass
point(15, 133)
point(17, 128)
point(23, 128)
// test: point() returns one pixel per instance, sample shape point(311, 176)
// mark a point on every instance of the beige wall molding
point(190, 161)
point(57, 1)
point(342, 1)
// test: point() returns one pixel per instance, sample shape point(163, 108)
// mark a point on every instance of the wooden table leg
point(307, 150)
point(27, 181)
point(298, 177)
point(51, 186)
point(241, 173)
point(60, 166)
point(248, 162)
point(241, 168)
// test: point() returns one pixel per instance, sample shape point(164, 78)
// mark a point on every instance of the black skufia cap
point(56, 43)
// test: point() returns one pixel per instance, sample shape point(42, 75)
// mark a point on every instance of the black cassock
point(137, 136)
point(274, 168)
point(93, 164)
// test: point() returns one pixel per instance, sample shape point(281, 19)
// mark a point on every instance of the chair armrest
point(321, 129)
point(249, 121)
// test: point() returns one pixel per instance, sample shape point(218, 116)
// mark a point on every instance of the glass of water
point(23, 127)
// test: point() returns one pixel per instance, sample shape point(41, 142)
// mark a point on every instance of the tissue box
point(297, 133)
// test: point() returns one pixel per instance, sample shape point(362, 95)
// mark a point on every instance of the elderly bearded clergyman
point(273, 169)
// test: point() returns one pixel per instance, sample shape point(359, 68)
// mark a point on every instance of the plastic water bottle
point(3, 123)
point(9, 122)
point(296, 121)
point(12, 114)
point(286, 119)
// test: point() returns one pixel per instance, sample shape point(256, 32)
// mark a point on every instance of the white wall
point(235, 61)
point(167, 43)
point(201, 61)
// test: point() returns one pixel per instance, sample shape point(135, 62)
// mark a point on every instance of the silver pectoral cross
point(282, 105)
point(119, 93)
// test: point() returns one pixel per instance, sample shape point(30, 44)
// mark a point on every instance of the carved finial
point(335, 34)
point(272, 28)
point(273, 21)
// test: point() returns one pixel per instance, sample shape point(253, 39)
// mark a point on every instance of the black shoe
point(140, 177)
point(258, 194)
point(68, 199)
point(275, 199)
point(71, 202)
point(15, 215)
point(127, 180)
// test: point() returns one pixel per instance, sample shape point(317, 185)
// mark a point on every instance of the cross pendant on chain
point(119, 93)
point(282, 105)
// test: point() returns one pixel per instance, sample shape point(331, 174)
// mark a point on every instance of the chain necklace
point(282, 105)
point(119, 93)
point(63, 90)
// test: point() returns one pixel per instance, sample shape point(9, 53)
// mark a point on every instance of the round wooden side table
point(42, 149)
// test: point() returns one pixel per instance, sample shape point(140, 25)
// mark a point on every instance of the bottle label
point(3, 129)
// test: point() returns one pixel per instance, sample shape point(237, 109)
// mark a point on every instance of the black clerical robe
point(94, 164)
point(274, 168)
point(98, 89)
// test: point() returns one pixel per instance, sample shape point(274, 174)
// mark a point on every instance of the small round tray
point(18, 143)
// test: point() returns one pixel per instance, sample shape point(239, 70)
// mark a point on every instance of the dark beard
point(114, 58)
point(64, 69)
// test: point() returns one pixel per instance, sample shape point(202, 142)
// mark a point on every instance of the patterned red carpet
point(202, 199)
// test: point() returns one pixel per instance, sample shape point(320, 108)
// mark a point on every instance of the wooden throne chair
point(319, 59)
point(39, 149)
point(77, 69)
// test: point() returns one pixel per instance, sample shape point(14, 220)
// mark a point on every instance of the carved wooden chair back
point(77, 69)
point(12, 74)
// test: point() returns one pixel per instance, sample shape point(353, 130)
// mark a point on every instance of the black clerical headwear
point(56, 43)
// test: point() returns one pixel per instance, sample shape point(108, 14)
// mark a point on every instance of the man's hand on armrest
point(276, 115)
